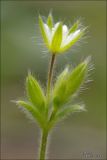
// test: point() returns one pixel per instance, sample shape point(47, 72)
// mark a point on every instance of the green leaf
point(35, 93)
point(68, 83)
point(43, 31)
point(33, 111)
point(68, 110)
point(50, 21)
point(74, 27)
point(64, 113)
point(57, 38)
point(76, 78)
point(60, 89)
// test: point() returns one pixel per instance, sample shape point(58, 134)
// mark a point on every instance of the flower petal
point(72, 36)
point(71, 40)
point(65, 29)
point(64, 32)
point(48, 32)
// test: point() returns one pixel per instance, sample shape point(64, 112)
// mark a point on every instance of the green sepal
point(35, 93)
point(50, 21)
point(56, 39)
point(33, 112)
point(74, 27)
point(43, 31)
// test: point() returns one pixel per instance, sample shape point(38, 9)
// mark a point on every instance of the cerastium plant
point(47, 108)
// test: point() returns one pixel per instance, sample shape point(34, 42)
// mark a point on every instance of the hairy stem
point(50, 73)
point(46, 132)
point(49, 81)
point(43, 145)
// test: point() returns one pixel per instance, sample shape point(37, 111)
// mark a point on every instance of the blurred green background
point(22, 50)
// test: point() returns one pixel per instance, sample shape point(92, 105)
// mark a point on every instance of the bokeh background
point(82, 135)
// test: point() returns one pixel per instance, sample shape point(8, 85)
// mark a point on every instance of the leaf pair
point(68, 83)
point(36, 104)
point(66, 86)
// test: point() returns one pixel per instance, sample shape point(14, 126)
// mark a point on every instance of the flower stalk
point(43, 145)
point(50, 74)
point(45, 133)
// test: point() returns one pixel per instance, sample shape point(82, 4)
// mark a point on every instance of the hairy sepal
point(57, 39)
point(74, 27)
point(50, 21)
point(43, 31)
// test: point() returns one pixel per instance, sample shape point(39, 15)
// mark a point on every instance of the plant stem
point(50, 73)
point(49, 81)
point(44, 131)
point(43, 145)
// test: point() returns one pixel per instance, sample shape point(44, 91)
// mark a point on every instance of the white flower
point(57, 37)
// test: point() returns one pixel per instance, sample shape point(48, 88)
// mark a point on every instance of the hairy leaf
point(68, 83)
point(60, 88)
point(33, 111)
point(68, 110)
point(35, 93)
point(76, 78)
point(64, 113)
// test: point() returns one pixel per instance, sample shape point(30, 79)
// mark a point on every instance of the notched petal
point(71, 40)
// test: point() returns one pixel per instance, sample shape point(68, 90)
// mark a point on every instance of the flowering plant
point(57, 37)
point(56, 103)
